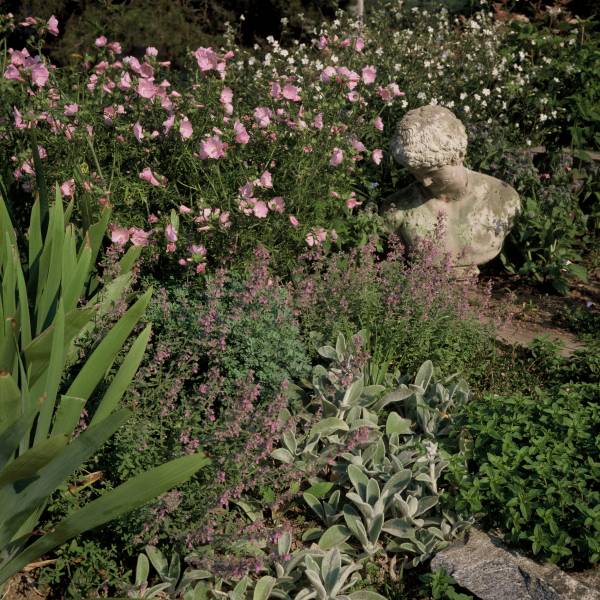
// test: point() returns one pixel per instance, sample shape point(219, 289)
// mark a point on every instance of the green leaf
point(424, 375)
point(334, 536)
point(100, 360)
point(10, 400)
point(366, 595)
point(17, 504)
point(396, 424)
point(328, 426)
point(282, 455)
point(158, 560)
point(263, 588)
point(131, 494)
point(320, 489)
point(359, 480)
point(124, 376)
point(68, 415)
point(31, 461)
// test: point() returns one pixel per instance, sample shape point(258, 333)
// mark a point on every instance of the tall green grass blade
point(10, 400)
point(124, 376)
point(131, 494)
point(53, 375)
point(18, 502)
point(34, 459)
point(67, 415)
point(100, 360)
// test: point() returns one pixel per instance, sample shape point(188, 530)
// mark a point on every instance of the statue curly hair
point(429, 137)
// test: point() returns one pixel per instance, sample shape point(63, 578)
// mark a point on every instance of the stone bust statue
point(477, 211)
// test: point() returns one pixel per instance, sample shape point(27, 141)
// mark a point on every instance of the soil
point(534, 313)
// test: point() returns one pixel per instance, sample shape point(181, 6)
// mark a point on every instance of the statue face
point(445, 180)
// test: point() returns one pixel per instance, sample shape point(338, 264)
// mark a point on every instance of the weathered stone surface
point(468, 213)
point(487, 569)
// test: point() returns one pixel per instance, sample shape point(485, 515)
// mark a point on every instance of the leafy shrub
point(218, 363)
point(532, 470)
point(152, 153)
point(40, 434)
point(412, 311)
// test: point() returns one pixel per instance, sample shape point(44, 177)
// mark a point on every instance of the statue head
point(428, 138)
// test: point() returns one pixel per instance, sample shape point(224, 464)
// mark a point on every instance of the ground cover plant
point(357, 412)
point(532, 468)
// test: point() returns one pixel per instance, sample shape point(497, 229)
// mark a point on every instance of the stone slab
point(490, 571)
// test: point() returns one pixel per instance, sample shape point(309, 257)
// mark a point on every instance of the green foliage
point(442, 586)
point(412, 310)
point(532, 467)
point(41, 319)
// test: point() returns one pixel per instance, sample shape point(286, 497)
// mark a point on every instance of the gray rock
point(487, 569)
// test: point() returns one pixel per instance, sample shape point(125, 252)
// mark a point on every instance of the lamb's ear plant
point(41, 285)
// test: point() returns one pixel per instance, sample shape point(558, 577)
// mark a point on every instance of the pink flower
point(352, 202)
point(377, 156)
point(359, 44)
point(212, 147)
point(197, 250)
point(337, 156)
point(316, 237)
point(152, 218)
point(119, 235)
point(39, 75)
point(241, 135)
point(148, 175)
point(70, 109)
point(318, 121)
point(327, 73)
point(378, 123)
point(53, 25)
point(277, 204)
point(167, 125)
point(171, 247)
point(247, 191)
point(67, 189)
point(138, 132)
point(294, 221)
point(185, 129)
point(139, 237)
point(353, 96)
point(146, 89)
point(151, 51)
point(358, 145)
point(19, 124)
point(291, 92)
point(262, 115)
point(100, 41)
point(125, 81)
point(260, 210)
point(170, 233)
point(226, 96)
point(265, 180)
point(275, 90)
point(12, 73)
point(115, 47)
point(369, 73)
point(207, 59)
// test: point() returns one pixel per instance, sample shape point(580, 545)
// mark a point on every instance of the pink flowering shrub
point(412, 310)
point(235, 140)
point(215, 378)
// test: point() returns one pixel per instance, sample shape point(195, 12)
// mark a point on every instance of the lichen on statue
point(478, 210)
